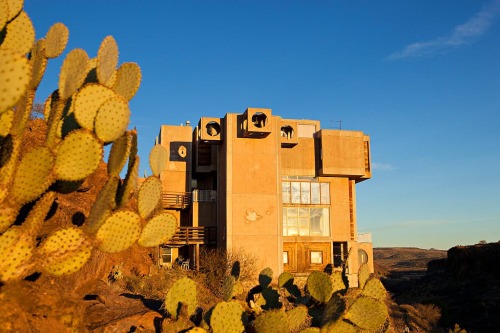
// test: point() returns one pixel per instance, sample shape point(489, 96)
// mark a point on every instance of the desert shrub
point(215, 264)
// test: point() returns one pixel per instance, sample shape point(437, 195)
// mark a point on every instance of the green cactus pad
point(14, 7)
point(78, 155)
point(158, 159)
point(16, 250)
point(14, 78)
point(129, 185)
point(112, 119)
point(319, 286)
point(363, 275)
point(227, 287)
point(334, 308)
point(20, 34)
point(107, 59)
point(265, 277)
point(128, 80)
point(6, 119)
point(227, 317)
point(271, 321)
point(367, 313)
point(149, 196)
point(337, 282)
point(375, 289)
point(182, 291)
point(119, 154)
point(87, 103)
point(56, 40)
point(158, 230)
point(38, 63)
point(37, 215)
point(33, 175)
point(339, 326)
point(119, 231)
point(297, 318)
point(73, 72)
point(285, 278)
point(103, 206)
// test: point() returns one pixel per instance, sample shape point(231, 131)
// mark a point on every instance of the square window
point(316, 257)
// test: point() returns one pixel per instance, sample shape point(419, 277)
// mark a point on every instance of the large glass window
point(305, 193)
point(306, 221)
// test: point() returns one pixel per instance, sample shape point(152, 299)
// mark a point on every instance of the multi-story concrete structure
point(282, 189)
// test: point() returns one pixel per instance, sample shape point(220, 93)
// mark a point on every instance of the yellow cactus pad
point(130, 184)
point(56, 40)
point(14, 78)
point(37, 215)
point(149, 196)
point(70, 262)
point(112, 119)
point(78, 155)
point(128, 80)
point(119, 154)
point(38, 63)
point(158, 230)
point(33, 175)
point(7, 217)
point(63, 241)
point(65, 251)
point(73, 72)
point(15, 7)
point(158, 159)
point(4, 13)
point(6, 119)
point(16, 250)
point(119, 232)
point(107, 59)
point(103, 206)
point(87, 102)
point(20, 35)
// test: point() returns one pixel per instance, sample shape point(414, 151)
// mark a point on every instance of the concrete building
point(282, 189)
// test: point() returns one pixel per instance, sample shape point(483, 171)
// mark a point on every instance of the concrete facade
point(282, 189)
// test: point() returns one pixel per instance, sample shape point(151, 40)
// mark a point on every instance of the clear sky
point(422, 78)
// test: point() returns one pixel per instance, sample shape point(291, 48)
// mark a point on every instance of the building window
point(165, 255)
point(306, 221)
point(285, 257)
point(339, 253)
point(305, 193)
point(316, 257)
point(362, 257)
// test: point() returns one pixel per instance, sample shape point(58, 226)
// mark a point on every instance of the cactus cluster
point(88, 110)
point(339, 309)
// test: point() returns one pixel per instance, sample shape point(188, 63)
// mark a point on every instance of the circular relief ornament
point(182, 151)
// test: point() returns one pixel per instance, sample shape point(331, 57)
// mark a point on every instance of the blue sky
point(422, 78)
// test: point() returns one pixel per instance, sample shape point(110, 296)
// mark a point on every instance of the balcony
point(365, 237)
point(175, 200)
point(194, 235)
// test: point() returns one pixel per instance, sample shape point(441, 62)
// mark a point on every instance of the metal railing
point(176, 200)
point(194, 235)
point(204, 196)
point(365, 237)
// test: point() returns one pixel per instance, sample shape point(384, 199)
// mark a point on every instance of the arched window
point(362, 257)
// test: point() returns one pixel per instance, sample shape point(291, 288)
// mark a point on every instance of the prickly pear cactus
point(182, 291)
point(88, 109)
point(320, 286)
point(271, 321)
point(227, 317)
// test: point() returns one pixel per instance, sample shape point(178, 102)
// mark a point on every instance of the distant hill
point(461, 284)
